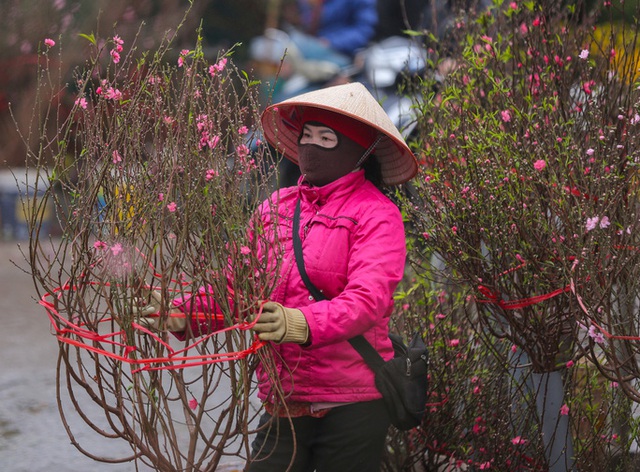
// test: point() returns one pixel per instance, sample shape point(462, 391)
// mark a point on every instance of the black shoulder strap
point(373, 359)
point(297, 249)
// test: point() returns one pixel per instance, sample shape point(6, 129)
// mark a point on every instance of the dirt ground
point(32, 436)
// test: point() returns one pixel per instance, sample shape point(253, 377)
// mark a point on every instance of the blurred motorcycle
point(386, 66)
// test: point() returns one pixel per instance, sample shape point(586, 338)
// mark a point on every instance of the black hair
point(373, 171)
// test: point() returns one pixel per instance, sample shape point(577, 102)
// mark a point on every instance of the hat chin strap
point(368, 152)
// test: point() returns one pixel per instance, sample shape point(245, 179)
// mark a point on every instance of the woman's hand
point(281, 324)
point(149, 315)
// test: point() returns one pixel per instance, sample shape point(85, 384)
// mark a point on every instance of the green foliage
point(526, 206)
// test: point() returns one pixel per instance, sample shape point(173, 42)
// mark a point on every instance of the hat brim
point(281, 125)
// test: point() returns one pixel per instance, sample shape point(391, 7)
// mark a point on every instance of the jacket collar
point(336, 189)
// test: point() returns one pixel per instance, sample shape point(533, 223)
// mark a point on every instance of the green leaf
point(89, 37)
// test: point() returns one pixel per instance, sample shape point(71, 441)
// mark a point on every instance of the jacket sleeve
point(348, 38)
point(206, 315)
point(375, 267)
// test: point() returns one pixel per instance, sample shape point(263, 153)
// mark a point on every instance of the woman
point(353, 246)
point(354, 251)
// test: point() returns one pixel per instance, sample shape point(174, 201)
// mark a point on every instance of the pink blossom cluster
point(110, 93)
point(218, 67)
point(205, 128)
point(247, 163)
point(183, 55)
point(596, 221)
point(117, 49)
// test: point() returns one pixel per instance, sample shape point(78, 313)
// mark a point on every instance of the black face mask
point(321, 166)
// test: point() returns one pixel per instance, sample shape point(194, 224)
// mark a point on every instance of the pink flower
point(590, 152)
point(193, 403)
point(584, 54)
point(49, 42)
point(116, 157)
point(569, 364)
point(518, 441)
point(82, 102)
point(172, 207)
point(213, 141)
point(540, 164)
point(211, 173)
point(100, 245)
point(564, 410)
point(596, 335)
point(505, 115)
point(604, 222)
point(245, 251)
point(454, 342)
point(160, 197)
point(243, 130)
point(117, 40)
point(218, 67)
point(113, 94)
point(592, 223)
point(242, 150)
point(183, 54)
point(116, 249)
point(115, 56)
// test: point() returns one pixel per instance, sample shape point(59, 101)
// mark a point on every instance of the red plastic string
point(494, 298)
point(77, 335)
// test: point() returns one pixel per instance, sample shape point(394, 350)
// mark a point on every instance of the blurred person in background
point(331, 30)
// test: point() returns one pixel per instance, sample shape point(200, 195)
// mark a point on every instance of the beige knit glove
point(281, 324)
point(149, 315)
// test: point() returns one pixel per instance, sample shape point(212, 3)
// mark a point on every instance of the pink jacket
point(354, 251)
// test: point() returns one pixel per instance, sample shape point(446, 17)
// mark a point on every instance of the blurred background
point(24, 24)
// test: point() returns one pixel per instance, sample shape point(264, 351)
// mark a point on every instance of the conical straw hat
point(283, 122)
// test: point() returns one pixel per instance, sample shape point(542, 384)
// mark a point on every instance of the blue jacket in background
point(348, 25)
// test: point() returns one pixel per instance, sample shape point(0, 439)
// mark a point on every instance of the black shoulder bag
point(402, 381)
